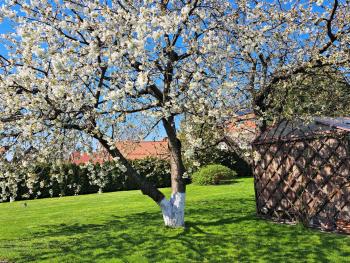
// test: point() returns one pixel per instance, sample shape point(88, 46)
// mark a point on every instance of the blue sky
point(4, 28)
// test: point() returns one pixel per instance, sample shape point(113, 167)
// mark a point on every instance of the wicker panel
point(305, 181)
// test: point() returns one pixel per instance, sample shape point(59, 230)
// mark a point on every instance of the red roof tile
point(132, 150)
point(135, 150)
point(242, 123)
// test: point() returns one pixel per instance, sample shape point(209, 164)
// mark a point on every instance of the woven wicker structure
point(302, 173)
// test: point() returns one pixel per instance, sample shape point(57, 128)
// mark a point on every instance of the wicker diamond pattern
point(305, 180)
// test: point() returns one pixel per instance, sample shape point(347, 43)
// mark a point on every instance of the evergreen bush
point(212, 174)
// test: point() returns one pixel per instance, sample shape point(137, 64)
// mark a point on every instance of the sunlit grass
point(221, 226)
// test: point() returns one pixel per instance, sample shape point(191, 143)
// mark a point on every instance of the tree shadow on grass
point(224, 231)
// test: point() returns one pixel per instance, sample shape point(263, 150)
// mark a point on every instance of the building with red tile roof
point(136, 150)
point(132, 150)
point(243, 123)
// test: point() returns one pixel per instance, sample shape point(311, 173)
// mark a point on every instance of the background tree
point(320, 92)
point(274, 43)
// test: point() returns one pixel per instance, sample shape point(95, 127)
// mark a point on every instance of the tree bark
point(174, 209)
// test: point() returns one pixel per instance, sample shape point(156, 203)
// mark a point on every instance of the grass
point(127, 227)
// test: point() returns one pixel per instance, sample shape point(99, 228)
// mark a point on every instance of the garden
point(174, 131)
point(221, 226)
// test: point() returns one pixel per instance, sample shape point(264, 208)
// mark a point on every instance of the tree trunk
point(174, 209)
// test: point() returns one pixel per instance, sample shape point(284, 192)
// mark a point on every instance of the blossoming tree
point(278, 43)
point(77, 70)
point(81, 70)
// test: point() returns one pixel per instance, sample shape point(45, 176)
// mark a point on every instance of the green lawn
point(127, 227)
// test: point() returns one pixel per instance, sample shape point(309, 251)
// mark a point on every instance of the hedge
point(68, 179)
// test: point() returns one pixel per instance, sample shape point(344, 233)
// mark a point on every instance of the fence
point(303, 175)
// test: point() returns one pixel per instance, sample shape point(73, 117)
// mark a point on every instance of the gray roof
point(297, 129)
point(342, 123)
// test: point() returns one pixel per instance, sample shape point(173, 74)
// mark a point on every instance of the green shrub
point(212, 174)
point(213, 155)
